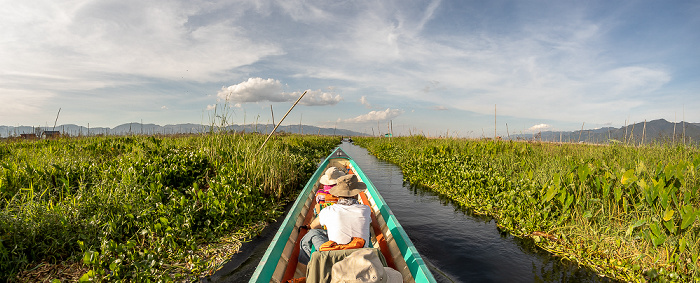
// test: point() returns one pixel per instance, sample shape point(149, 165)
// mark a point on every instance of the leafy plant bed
point(630, 213)
point(142, 208)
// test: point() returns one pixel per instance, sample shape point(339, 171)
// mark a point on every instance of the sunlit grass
point(143, 208)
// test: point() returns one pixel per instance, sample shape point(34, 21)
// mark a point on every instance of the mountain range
point(151, 129)
point(659, 131)
point(655, 131)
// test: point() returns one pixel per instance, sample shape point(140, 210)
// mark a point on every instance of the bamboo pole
point(508, 132)
point(625, 138)
point(683, 124)
point(278, 124)
point(644, 131)
point(673, 140)
point(59, 112)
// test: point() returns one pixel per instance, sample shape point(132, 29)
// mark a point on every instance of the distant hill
point(152, 129)
point(659, 131)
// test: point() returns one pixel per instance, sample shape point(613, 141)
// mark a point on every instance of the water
point(457, 246)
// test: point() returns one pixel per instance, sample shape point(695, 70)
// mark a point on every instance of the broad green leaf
point(583, 172)
point(569, 200)
point(688, 218)
point(668, 215)
point(606, 189)
point(631, 228)
point(663, 197)
point(551, 192)
point(671, 226)
point(618, 193)
point(643, 184)
point(86, 277)
point(655, 229)
point(658, 240)
point(681, 245)
point(657, 236)
point(628, 177)
point(669, 171)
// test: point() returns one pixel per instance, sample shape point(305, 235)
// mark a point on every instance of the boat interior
point(380, 233)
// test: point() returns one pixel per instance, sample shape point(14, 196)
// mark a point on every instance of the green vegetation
point(142, 208)
point(629, 213)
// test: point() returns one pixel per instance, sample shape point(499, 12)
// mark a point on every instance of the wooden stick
point(278, 124)
point(59, 112)
point(644, 131)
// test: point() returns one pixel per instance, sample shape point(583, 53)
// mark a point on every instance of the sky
point(455, 68)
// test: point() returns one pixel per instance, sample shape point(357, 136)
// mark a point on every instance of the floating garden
point(629, 213)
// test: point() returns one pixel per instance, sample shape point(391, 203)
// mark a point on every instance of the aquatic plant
point(142, 208)
point(629, 213)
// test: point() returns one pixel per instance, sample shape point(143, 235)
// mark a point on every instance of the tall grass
point(140, 208)
point(627, 212)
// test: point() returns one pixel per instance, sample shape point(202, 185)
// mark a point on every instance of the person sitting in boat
point(347, 221)
point(328, 180)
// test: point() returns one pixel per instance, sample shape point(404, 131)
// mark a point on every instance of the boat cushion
point(321, 263)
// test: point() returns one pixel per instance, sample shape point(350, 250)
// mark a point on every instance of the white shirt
point(346, 221)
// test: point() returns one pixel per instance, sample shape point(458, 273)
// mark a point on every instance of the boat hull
point(279, 263)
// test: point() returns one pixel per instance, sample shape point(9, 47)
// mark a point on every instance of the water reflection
point(457, 244)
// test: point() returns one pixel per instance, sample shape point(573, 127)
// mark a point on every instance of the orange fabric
point(347, 167)
point(356, 243)
point(331, 198)
point(297, 280)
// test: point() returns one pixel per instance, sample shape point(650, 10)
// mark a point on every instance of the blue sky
point(431, 67)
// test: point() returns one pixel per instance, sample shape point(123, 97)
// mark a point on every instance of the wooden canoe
point(279, 263)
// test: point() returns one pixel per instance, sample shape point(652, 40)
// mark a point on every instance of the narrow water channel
point(458, 246)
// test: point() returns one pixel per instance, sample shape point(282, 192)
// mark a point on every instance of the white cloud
point(254, 90)
point(258, 90)
point(164, 107)
point(363, 101)
point(211, 107)
point(376, 116)
point(439, 108)
point(318, 98)
point(539, 128)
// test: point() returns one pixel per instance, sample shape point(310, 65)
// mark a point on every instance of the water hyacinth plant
point(142, 208)
point(630, 213)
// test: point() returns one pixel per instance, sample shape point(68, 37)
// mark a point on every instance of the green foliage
point(643, 201)
point(138, 208)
